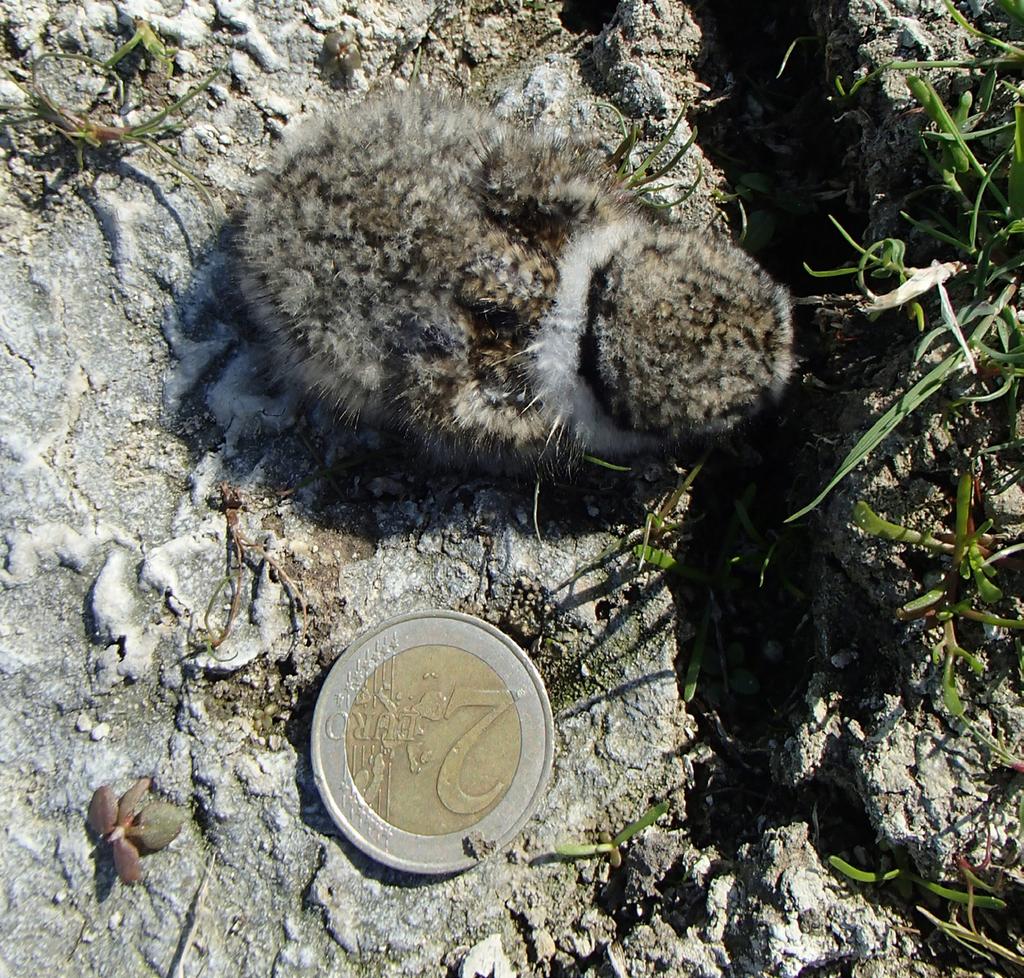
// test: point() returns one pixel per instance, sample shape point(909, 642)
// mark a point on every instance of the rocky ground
point(132, 392)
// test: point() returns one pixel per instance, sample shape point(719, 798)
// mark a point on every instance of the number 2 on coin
point(449, 779)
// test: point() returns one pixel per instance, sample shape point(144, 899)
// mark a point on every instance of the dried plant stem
point(177, 969)
point(241, 549)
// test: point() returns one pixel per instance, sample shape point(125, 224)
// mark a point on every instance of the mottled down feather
point(496, 295)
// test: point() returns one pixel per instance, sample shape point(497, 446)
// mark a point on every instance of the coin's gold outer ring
point(456, 851)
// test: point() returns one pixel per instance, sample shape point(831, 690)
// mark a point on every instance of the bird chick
point(497, 295)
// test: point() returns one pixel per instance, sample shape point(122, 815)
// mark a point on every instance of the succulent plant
point(130, 833)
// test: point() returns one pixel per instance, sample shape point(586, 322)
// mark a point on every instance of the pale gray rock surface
point(129, 399)
point(131, 391)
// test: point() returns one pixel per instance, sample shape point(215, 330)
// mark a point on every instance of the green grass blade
point(792, 48)
point(934, 232)
point(958, 896)
point(860, 875)
point(150, 126)
point(1016, 176)
point(830, 272)
point(675, 158)
point(926, 341)
point(1010, 49)
point(885, 425)
point(611, 466)
point(637, 177)
point(696, 656)
point(950, 694)
point(932, 103)
point(847, 237)
point(740, 507)
point(648, 818)
point(572, 850)
point(1013, 358)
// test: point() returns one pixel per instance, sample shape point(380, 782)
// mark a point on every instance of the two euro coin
point(432, 741)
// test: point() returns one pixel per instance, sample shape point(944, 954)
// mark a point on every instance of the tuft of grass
point(744, 554)
point(969, 900)
point(742, 548)
point(643, 177)
point(610, 846)
point(972, 937)
point(903, 878)
point(973, 211)
point(82, 128)
point(973, 560)
point(988, 316)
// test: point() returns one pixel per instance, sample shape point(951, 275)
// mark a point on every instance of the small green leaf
point(963, 110)
point(860, 875)
point(648, 818)
point(1015, 189)
point(923, 601)
point(950, 695)
point(157, 825)
point(987, 591)
point(939, 114)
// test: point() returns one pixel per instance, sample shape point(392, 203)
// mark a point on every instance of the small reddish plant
point(133, 834)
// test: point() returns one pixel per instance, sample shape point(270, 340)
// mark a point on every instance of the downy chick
point(497, 295)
